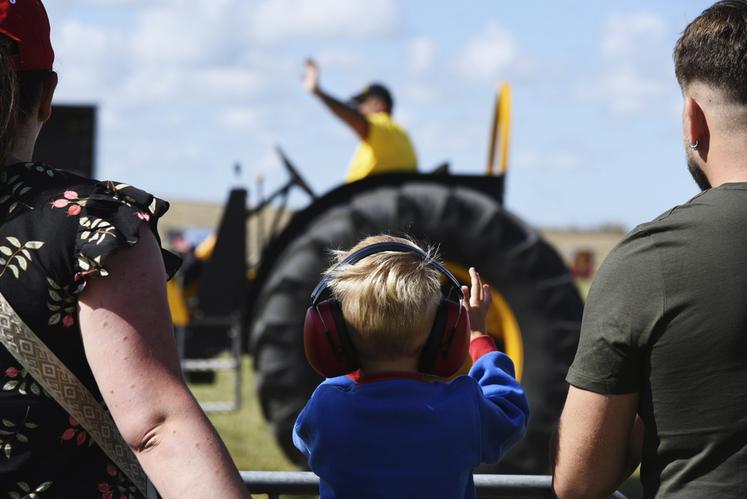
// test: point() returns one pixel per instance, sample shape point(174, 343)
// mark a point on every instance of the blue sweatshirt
point(401, 437)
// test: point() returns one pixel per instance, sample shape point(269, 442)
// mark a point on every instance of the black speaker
point(68, 140)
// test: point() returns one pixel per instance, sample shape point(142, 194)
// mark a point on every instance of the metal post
point(236, 347)
point(180, 333)
point(260, 237)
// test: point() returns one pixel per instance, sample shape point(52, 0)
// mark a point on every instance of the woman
point(80, 262)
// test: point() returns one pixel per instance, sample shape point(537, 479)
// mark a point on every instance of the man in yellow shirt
point(385, 146)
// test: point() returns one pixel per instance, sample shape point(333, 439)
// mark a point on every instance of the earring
point(693, 146)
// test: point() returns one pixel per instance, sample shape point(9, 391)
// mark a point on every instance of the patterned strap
point(69, 392)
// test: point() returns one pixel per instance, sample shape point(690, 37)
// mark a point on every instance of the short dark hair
point(375, 91)
point(20, 92)
point(8, 83)
point(31, 84)
point(713, 49)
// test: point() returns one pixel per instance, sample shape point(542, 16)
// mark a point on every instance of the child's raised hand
point(477, 300)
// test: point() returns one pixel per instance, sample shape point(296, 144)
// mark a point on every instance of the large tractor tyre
point(471, 229)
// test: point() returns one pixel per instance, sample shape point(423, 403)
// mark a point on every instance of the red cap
point(26, 23)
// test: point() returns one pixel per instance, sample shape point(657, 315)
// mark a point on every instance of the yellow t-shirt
point(387, 149)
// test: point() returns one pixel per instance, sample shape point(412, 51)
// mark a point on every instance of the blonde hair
point(388, 299)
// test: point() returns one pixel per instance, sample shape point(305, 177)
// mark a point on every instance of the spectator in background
point(582, 269)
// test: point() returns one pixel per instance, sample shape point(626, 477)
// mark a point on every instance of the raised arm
point(349, 115)
point(129, 343)
point(504, 409)
point(598, 444)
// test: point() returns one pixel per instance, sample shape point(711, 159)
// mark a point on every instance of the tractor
point(536, 308)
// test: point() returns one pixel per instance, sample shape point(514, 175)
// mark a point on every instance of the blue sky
point(186, 89)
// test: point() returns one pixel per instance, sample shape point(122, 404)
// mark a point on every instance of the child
point(390, 431)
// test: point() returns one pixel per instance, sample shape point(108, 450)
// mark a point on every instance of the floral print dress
point(56, 232)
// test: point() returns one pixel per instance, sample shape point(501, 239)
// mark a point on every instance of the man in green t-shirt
point(660, 376)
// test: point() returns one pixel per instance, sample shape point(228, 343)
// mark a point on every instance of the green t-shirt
point(666, 317)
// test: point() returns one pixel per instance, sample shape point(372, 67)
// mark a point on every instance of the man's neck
point(726, 145)
point(727, 164)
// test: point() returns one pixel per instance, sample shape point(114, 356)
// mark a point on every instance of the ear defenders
point(327, 343)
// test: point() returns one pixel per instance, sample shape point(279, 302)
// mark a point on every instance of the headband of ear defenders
point(362, 253)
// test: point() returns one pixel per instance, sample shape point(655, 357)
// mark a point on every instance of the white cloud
point(489, 54)
point(173, 85)
point(636, 64)
point(242, 118)
point(205, 33)
point(190, 86)
point(421, 53)
point(627, 34)
point(161, 37)
point(89, 60)
point(273, 21)
point(341, 57)
point(558, 159)
point(625, 90)
point(167, 55)
point(421, 93)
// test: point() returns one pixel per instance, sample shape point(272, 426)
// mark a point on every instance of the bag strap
point(49, 371)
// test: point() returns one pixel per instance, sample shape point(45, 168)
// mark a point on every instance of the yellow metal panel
point(499, 132)
point(177, 305)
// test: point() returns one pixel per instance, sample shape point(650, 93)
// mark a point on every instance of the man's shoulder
point(637, 260)
point(696, 209)
point(662, 223)
point(682, 220)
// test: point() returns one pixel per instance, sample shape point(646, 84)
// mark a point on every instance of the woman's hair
point(20, 93)
point(388, 299)
point(8, 102)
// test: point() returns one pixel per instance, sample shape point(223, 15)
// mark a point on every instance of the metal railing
point(232, 326)
point(277, 483)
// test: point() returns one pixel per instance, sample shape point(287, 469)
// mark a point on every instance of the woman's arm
point(129, 343)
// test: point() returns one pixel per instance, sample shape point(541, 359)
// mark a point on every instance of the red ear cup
point(447, 346)
point(326, 341)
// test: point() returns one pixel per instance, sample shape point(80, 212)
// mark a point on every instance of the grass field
point(245, 432)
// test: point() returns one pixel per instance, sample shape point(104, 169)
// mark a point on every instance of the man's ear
point(695, 123)
point(45, 102)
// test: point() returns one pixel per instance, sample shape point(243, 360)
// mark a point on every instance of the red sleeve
point(480, 346)
point(355, 376)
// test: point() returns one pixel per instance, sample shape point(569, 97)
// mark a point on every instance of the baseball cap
point(375, 90)
point(26, 23)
